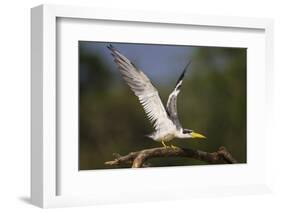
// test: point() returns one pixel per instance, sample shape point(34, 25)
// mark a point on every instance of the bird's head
point(188, 133)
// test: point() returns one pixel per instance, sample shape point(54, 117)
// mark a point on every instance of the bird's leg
point(163, 143)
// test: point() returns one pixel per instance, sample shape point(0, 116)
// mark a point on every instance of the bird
point(165, 120)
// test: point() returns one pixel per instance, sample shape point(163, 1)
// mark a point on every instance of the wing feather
point(144, 90)
point(172, 100)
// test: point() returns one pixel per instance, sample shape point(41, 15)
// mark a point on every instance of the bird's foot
point(174, 147)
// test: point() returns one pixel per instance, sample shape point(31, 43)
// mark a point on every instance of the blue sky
point(167, 64)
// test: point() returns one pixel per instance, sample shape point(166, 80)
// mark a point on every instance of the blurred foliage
point(212, 102)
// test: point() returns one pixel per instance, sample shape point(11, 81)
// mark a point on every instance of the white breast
point(164, 136)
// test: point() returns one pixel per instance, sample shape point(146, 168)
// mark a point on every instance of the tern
point(164, 119)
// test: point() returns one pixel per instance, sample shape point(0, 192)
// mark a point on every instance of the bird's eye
point(187, 131)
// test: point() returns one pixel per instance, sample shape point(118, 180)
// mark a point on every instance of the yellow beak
point(197, 135)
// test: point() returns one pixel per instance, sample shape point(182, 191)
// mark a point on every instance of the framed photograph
point(129, 106)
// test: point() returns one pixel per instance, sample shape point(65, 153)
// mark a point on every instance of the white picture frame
point(44, 148)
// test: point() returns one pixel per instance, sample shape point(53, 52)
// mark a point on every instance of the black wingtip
point(110, 47)
point(183, 72)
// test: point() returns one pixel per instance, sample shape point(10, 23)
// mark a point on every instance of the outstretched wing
point(144, 90)
point(172, 100)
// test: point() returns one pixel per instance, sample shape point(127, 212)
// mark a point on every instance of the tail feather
point(150, 136)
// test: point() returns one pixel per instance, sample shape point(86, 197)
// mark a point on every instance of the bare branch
point(138, 159)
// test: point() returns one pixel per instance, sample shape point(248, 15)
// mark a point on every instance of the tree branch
point(138, 159)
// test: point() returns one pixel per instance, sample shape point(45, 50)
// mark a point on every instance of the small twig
point(137, 159)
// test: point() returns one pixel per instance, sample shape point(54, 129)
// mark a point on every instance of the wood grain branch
point(138, 159)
